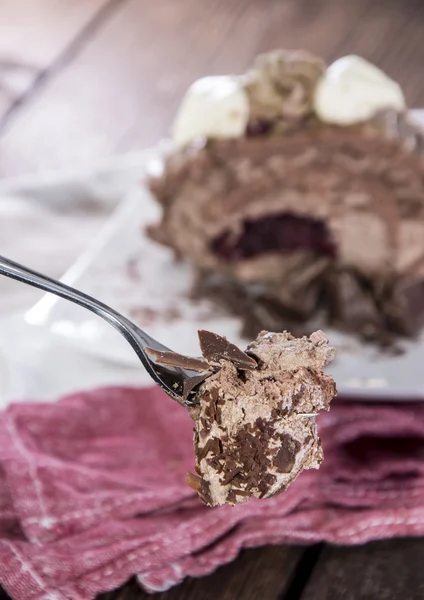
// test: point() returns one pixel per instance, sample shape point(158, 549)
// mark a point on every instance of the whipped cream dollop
point(213, 107)
point(353, 90)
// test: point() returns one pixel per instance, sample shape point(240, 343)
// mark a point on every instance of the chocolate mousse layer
point(306, 221)
point(254, 424)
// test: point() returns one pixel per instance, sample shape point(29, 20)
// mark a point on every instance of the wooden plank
point(129, 79)
point(256, 574)
point(318, 26)
point(390, 34)
point(121, 91)
point(389, 569)
point(33, 35)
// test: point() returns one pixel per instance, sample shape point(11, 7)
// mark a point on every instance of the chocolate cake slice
point(315, 207)
point(255, 427)
point(254, 412)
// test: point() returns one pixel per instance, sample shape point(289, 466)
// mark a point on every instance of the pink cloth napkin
point(92, 491)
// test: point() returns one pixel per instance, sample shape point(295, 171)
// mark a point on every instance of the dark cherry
point(277, 233)
point(258, 127)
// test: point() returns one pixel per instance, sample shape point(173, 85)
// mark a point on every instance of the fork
point(174, 380)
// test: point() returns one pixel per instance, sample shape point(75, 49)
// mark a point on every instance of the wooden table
point(84, 79)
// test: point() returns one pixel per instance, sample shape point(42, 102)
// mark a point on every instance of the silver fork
point(175, 381)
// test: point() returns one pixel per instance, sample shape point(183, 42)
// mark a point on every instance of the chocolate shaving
point(200, 486)
point(298, 395)
point(212, 399)
point(265, 427)
point(266, 483)
point(174, 359)
point(216, 348)
point(215, 463)
point(212, 445)
point(234, 492)
point(218, 415)
point(286, 456)
point(204, 423)
point(194, 482)
point(229, 475)
point(190, 384)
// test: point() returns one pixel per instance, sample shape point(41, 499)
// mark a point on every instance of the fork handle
point(172, 379)
point(14, 270)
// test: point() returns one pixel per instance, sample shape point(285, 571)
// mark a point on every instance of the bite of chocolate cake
point(254, 413)
point(255, 427)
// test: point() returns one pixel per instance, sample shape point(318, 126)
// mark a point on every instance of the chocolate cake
point(300, 195)
point(255, 427)
point(254, 412)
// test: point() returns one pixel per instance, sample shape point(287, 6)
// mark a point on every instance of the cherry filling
point(277, 233)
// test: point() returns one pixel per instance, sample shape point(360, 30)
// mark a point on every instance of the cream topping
point(353, 90)
point(213, 107)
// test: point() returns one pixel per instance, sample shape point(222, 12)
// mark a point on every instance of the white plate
point(43, 210)
point(141, 279)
